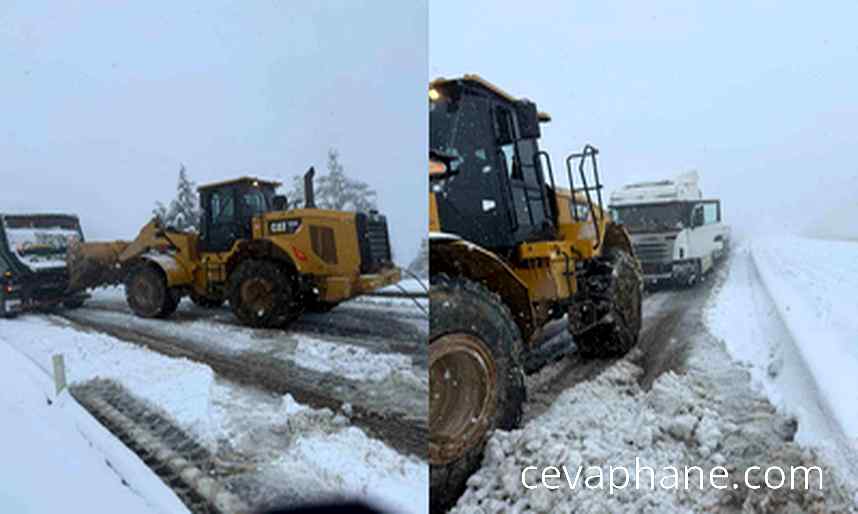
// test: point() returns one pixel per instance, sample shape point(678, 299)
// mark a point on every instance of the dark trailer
point(33, 250)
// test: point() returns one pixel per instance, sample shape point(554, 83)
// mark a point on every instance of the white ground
point(296, 451)
point(55, 455)
point(708, 416)
point(788, 314)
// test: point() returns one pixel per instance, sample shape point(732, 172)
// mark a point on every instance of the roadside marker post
point(59, 373)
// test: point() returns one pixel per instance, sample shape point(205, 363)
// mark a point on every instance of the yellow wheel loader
point(510, 250)
point(269, 261)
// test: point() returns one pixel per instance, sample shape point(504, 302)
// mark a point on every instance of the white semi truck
point(677, 235)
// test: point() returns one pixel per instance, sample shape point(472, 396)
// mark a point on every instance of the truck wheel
point(147, 293)
point(261, 294)
point(611, 290)
point(3, 312)
point(476, 382)
point(695, 276)
point(206, 302)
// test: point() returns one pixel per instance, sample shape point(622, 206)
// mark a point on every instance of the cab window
point(254, 203)
point(710, 213)
point(222, 207)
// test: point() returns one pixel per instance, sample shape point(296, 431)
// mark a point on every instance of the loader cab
point(489, 183)
point(229, 209)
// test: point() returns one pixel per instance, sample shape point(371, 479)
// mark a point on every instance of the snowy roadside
point(775, 315)
point(291, 452)
point(813, 284)
point(51, 443)
point(708, 416)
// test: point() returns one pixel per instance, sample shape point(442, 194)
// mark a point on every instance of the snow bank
point(58, 459)
point(345, 459)
point(813, 285)
point(684, 420)
point(178, 386)
point(294, 448)
point(410, 285)
point(352, 362)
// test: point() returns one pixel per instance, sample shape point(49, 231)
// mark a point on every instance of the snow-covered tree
point(420, 265)
point(183, 212)
point(335, 190)
point(295, 192)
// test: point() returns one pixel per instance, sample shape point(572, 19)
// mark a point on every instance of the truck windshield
point(652, 217)
point(41, 241)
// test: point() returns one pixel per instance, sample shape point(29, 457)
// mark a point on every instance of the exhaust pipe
point(309, 192)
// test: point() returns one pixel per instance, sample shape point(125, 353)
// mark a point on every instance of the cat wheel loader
point(269, 261)
point(510, 250)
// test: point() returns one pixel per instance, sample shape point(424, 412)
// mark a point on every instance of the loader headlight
point(434, 95)
point(437, 167)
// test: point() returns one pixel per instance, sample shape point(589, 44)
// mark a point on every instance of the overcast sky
point(760, 97)
point(101, 101)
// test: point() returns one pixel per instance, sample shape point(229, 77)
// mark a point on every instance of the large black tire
point(147, 293)
point(611, 289)
point(320, 307)
point(473, 340)
point(75, 303)
point(262, 294)
point(206, 302)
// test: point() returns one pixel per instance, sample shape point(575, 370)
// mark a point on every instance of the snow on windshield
point(671, 216)
point(40, 248)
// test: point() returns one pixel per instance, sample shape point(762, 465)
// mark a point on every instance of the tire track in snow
point(406, 433)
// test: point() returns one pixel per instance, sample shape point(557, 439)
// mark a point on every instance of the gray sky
point(760, 97)
point(100, 101)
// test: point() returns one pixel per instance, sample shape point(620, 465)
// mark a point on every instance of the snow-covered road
point(677, 400)
point(277, 449)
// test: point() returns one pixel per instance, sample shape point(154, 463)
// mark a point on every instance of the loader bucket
point(92, 265)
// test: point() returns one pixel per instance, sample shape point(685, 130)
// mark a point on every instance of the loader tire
point(321, 307)
point(262, 294)
point(613, 286)
point(206, 302)
point(476, 384)
point(77, 303)
point(147, 293)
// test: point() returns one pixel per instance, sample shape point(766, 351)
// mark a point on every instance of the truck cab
point(678, 235)
point(33, 250)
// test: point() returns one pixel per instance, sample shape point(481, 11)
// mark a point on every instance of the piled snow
point(757, 328)
point(343, 458)
point(349, 361)
point(178, 386)
point(54, 457)
point(410, 285)
point(611, 421)
point(22, 240)
point(315, 454)
point(813, 285)
point(287, 448)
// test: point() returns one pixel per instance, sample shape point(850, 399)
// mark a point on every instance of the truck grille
point(374, 242)
point(654, 251)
